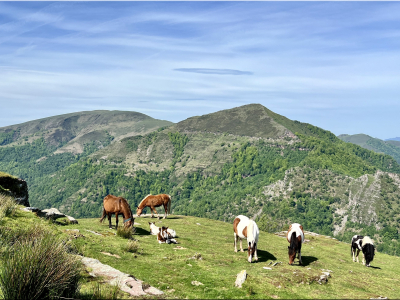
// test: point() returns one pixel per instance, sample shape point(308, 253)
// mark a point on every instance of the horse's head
point(251, 249)
point(129, 223)
point(139, 211)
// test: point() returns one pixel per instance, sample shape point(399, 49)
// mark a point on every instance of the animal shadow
point(306, 260)
point(141, 231)
point(264, 256)
point(375, 267)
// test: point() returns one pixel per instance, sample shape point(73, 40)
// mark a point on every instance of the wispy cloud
point(214, 71)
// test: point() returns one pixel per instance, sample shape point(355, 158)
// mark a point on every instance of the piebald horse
point(295, 236)
point(364, 244)
point(244, 228)
point(117, 205)
point(153, 201)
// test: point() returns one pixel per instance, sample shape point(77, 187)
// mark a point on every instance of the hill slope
point(389, 147)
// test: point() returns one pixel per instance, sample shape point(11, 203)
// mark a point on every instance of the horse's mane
point(293, 241)
point(143, 200)
point(250, 231)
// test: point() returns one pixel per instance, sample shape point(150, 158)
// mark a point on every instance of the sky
point(335, 65)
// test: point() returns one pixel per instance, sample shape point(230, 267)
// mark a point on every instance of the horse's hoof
point(241, 250)
point(235, 250)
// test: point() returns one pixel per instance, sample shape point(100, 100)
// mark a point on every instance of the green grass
point(173, 270)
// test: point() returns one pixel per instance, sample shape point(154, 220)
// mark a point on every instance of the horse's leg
point(255, 252)
point(165, 208)
point(300, 263)
point(235, 242)
point(358, 252)
point(116, 220)
point(154, 209)
point(241, 246)
point(353, 254)
point(109, 220)
point(363, 261)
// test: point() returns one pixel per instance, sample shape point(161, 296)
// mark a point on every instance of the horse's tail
point(103, 216)
point(293, 240)
point(169, 205)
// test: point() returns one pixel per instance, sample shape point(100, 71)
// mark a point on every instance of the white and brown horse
point(153, 201)
point(244, 228)
point(117, 205)
point(295, 236)
point(164, 237)
point(154, 230)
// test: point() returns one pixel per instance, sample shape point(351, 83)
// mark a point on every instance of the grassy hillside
point(391, 148)
point(172, 270)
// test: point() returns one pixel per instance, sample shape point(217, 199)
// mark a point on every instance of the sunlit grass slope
point(172, 270)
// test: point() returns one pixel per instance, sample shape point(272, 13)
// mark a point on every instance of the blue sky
point(335, 65)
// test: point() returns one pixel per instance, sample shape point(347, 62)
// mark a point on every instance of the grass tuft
point(131, 246)
point(39, 267)
point(8, 206)
point(126, 232)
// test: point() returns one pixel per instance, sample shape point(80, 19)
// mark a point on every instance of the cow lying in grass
point(364, 244)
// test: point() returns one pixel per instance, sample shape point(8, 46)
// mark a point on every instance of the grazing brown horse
point(117, 205)
point(153, 201)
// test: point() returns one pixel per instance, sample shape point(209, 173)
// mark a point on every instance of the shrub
point(39, 268)
point(126, 232)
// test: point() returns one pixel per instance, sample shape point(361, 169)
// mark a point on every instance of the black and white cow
point(364, 244)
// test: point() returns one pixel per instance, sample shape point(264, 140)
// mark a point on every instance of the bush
point(126, 232)
point(39, 268)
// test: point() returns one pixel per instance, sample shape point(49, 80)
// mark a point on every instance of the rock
point(267, 268)
point(94, 232)
point(278, 262)
point(197, 256)
point(16, 188)
point(109, 254)
point(125, 282)
point(240, 278)
point(323, 279)
point(197, 283)
point(153, 291)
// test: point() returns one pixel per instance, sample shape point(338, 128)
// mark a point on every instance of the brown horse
point(117, 205)
point(153, 201)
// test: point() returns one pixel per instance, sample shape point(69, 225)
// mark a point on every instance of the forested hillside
point(246, 160)
point(389, 147)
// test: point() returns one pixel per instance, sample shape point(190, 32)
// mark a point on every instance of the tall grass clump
point(131, 246)
point(39, 268)
point(8, 206)
point(100, 291)
point(126, 232)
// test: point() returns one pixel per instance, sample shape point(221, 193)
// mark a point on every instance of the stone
point(197, 283)
point(240, 278)
point(267, 268)
point(125, 282)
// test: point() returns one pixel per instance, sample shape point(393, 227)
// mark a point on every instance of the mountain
point(246, 160)
point(389, 147)
point(70, 132)
point(394, 139)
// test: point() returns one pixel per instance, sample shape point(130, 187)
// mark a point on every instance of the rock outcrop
point(16, 188)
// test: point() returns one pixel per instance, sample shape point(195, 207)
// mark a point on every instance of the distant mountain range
point(394, 139)
point(245, 160)
point(390, 147)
